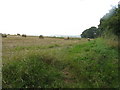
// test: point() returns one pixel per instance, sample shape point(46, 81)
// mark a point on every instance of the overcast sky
point(51, 17)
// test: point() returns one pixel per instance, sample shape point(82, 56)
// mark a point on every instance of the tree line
point(109, 24)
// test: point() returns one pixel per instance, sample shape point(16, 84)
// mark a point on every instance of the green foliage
point(96, 66)
point(110, 23)
point(90, 33)
point(29, 73)
point(88, 65)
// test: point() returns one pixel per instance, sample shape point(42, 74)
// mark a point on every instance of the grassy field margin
point(92, 64)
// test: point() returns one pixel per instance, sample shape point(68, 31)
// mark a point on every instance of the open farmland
point(53, 63)
point(20, 45)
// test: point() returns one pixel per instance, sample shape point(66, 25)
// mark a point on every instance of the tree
point(110, 23)
point(90, 33)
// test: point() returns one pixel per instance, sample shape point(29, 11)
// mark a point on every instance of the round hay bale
point(24, 35)
point(4, 35)
point(41, 37)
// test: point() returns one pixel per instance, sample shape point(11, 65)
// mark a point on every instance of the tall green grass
point(89, 65)
point(97, 65)
point(31, 72)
